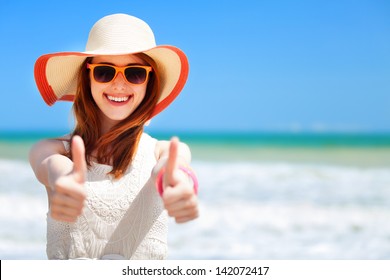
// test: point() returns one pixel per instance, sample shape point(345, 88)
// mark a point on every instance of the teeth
point(118, 99)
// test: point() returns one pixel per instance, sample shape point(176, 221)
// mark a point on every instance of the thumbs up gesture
point(179, 196)
point(68, 194)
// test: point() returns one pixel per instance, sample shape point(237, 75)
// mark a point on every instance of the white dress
point(122, 218)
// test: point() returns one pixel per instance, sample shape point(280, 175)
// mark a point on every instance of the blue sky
point(256, 65)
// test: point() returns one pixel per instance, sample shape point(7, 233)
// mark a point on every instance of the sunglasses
point(105, 73)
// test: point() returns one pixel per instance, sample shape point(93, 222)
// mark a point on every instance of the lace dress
point(124, 217)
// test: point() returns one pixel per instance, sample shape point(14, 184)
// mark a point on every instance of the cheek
point(96, 90)
point(142, 92)
point(140, 95)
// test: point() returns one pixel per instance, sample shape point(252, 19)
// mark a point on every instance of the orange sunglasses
point(105, 73)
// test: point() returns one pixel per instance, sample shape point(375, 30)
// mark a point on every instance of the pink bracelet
point(189, 172)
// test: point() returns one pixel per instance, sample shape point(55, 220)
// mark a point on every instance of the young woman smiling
point(111, 187)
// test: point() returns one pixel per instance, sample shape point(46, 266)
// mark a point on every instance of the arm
point(48, 162)
point(179, 196)
point(63, 178)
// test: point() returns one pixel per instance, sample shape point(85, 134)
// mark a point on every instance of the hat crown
point(120, 33)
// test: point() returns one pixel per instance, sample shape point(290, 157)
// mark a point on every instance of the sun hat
point(117, 34)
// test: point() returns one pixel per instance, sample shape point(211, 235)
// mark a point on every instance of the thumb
point(172, 165)
point(78, 157)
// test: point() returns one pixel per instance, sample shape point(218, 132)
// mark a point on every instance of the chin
point(118, 119)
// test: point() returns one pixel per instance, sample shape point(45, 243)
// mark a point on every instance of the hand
point(68, 195)
point(179, 196)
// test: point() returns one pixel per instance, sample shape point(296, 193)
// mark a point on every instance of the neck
point(107, 124)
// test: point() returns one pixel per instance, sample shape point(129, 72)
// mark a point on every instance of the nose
point(119, 81)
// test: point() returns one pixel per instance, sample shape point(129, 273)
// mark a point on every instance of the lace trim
point(110, 199)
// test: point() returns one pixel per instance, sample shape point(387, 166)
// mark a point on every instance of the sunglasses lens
point(136, 75)
point(103, 74)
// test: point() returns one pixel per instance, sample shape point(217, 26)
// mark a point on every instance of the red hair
point(118, 146)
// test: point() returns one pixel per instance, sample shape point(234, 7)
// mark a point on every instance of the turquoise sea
point(262, 196)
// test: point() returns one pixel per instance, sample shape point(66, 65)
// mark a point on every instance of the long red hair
point(118, 146)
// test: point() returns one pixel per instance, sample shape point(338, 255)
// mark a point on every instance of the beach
point(260, 198)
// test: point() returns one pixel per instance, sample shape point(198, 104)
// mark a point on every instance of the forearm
point(48, 170)
point(56, 166)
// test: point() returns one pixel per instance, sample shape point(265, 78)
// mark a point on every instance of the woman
point(110, 186)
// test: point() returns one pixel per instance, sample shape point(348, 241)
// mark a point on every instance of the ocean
point(262, 196)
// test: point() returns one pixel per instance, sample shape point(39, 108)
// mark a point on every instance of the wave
point(287, 183)
point(249, 210)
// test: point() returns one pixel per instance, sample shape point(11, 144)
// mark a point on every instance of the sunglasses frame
point(120, 69)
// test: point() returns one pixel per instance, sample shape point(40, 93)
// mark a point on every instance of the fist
point(179, 197)
point(68, 193)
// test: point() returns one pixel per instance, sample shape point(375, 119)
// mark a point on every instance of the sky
point(260, 65)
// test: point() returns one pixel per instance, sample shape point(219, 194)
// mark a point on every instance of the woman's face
point(118, 98)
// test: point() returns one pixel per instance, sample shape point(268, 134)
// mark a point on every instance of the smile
point(118, 99)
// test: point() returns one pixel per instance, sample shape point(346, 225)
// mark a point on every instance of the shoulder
point(162, 146)
point(148, 141)
point(162, 150)
point(51, 146)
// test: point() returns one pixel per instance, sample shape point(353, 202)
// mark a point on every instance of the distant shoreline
point(365, 150)
point(265, 139)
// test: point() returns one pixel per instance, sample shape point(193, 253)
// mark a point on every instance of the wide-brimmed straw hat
point(56, 74)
